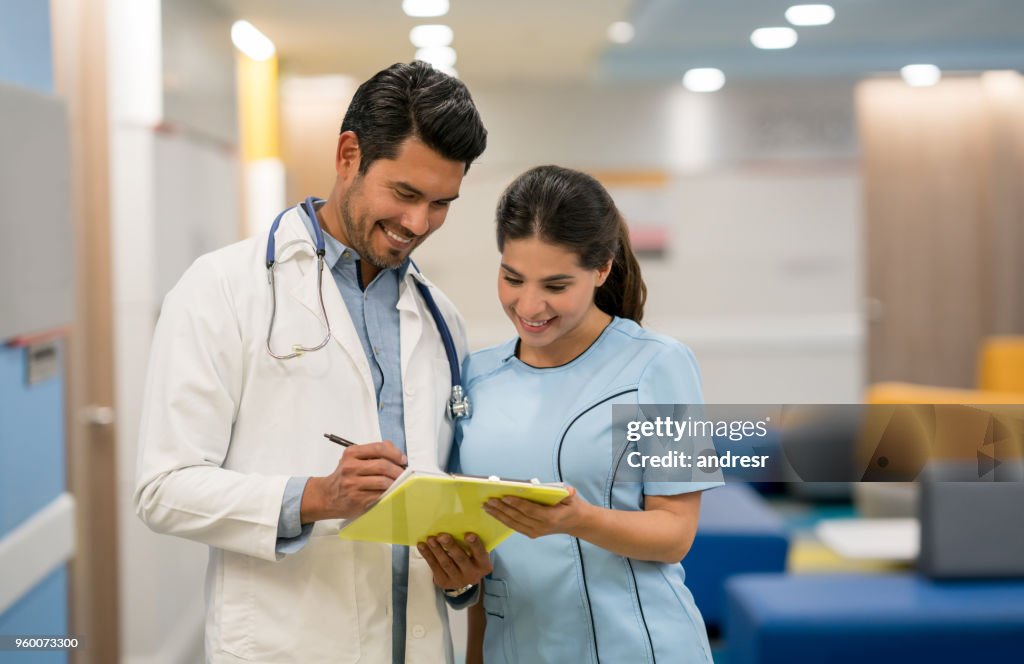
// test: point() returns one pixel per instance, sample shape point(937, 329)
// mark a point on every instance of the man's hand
point(454, 565)
point(363, 474)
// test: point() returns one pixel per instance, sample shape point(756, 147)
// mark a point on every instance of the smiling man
point(321, 325)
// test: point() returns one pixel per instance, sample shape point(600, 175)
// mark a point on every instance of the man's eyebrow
point(413, 190)
point(554, 277)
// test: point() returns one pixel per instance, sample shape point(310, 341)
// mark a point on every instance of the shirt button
point(380, 406)
point(376, 350)
point(419, 631)
point(346, 255)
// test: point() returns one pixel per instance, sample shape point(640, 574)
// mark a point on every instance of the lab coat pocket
point(304, 603)
point(234, 605)
point(498, 636)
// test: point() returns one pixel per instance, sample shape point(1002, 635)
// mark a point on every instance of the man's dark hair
point(414, 100)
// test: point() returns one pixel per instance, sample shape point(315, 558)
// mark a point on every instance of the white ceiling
point(566, 39)
point(495, 40)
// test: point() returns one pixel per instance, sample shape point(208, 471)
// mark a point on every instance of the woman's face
point(546, 293)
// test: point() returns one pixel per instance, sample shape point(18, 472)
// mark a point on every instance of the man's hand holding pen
point(362, 475)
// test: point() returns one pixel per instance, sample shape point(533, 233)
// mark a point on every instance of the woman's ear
point(603, 272)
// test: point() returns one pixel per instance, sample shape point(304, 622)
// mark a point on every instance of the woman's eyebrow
point(554, 277)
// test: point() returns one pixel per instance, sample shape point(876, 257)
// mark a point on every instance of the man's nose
point(415, 220)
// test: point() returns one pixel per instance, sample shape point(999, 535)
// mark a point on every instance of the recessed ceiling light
point(249, 40)
point(810, 14)
point(427, 36)
point(704, 79)
point(773, 38)
point(425, 8)
point(441, 57)
point(921, 76)
point(621, 32)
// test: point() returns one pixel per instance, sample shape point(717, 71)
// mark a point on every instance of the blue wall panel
point(31, 417)
point(41, 612)
point(31, 440)
point(26, 55)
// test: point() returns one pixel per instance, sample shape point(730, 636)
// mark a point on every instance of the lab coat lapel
point(410, 317)
point(417, 379)
point(343, 330)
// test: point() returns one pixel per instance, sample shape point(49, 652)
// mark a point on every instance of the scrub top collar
point(334, 249)
point(513, 349)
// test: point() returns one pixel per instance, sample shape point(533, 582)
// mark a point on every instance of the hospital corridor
point(465, 331)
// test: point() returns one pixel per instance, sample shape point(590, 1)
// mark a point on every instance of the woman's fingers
point(511, 517)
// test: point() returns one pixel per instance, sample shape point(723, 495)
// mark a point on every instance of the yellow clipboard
point(424, 503)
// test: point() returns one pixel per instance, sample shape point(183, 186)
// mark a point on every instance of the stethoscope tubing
point(458, 403)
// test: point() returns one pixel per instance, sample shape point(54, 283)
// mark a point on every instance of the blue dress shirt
point(374, 313)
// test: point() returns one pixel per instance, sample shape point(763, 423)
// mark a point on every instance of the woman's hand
point(454, 566)
point(536, 520)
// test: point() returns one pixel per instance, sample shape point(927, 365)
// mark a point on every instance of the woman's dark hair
point(572, 210)
point(414, 100)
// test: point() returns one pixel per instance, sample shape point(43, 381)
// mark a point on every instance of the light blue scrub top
point(557, 598)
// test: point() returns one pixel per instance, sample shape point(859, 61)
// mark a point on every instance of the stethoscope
point(458, 402)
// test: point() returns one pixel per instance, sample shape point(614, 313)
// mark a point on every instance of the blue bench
point(856, 618)
point(738, 533)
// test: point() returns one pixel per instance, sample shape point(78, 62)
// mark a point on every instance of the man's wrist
point(312, 503)
point(459, 592)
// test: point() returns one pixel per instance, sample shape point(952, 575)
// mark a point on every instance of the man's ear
point(348, 155)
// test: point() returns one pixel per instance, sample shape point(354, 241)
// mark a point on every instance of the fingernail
point(471, 538)
point(507, 501)
point(405, 460)
point(421, 547)
point(446, 540)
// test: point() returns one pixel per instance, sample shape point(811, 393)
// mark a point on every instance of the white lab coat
point(225, 425)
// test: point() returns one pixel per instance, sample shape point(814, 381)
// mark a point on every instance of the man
point(232, 453)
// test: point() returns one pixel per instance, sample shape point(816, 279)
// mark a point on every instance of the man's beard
point(359, 236)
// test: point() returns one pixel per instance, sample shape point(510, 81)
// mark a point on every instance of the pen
point(344, 442)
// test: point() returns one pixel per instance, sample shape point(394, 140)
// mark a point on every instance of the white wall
point(174, 193)
point(763, 274)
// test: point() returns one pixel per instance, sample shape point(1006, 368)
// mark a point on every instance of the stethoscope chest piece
point(458, 404)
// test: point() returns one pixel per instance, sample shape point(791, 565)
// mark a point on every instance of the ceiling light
point(773, 38)
point(428, 36)
point(441, 57)
point(921, 76)
point(251, 41)
point(704, 79)
point(424, 8)
point(810, 14)
point(621, 32)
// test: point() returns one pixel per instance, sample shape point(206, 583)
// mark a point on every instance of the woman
point(595, 578)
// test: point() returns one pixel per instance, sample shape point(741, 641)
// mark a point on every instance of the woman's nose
point(531, 304)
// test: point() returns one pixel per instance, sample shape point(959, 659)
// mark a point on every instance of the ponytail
point(624, 292)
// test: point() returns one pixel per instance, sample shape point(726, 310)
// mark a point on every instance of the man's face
point(392, 208)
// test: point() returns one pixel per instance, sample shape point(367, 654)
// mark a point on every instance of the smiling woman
point(596, 577)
